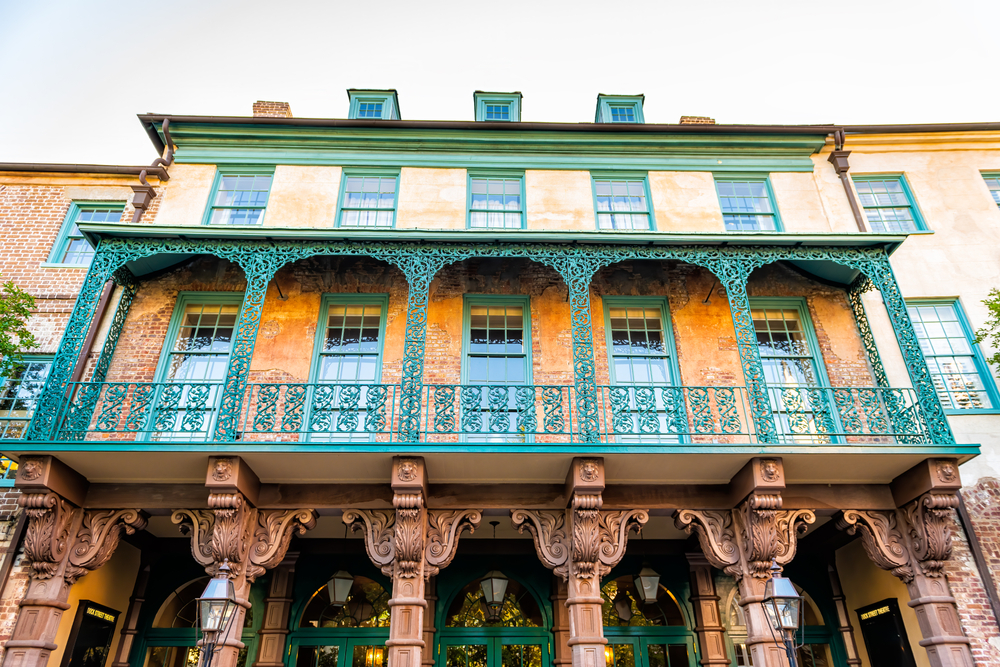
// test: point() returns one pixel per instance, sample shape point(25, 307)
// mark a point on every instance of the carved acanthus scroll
point(548, 530)
point(443, 529)
point(881, 538)
point(378, 528)
point(98, 537)
point(930, 520)
point(252, 540)
point(715, 534)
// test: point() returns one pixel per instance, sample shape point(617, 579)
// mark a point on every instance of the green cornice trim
point(274, 144)
point(95, 232)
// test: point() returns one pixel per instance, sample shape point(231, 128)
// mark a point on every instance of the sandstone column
point(708, 623)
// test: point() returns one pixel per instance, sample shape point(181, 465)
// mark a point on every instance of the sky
point(76, 72)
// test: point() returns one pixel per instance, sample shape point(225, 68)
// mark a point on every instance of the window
point(19, 393)
point(993, 183)
point(888, 204)
point(71, 248)
point(368, 200)
point(240, 197)
point(369, 109)
point(961, 377)
point(382, 104)
point(622, 203)
point(747, 205)
point(792, 364)
point(349, 346)
point(497, 347)
point(498, 107)
point(496, 202)
point(619, 109)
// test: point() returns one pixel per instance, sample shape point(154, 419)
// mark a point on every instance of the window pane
point(746, 205)
point(490, 197)
point(887, 208)
point(950, 357)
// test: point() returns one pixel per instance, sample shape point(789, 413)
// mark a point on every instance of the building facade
point(498, 393)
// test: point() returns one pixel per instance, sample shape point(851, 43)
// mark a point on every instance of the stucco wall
point(685, 202)
point(303, 197)
point(183, 200)
point(431, 199)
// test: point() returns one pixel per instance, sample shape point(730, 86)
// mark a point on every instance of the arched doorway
point(494, 621)
point(656, 634)
point(329, 631)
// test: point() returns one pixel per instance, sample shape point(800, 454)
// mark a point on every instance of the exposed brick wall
point(13, 590)
point(264, 109)
point(974, 609)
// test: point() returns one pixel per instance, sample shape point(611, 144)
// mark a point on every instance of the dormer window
point(497, 107)
point(619, 109)
point(373, 104)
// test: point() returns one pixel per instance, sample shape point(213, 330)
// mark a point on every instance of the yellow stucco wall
point(303, 197)
point(184, 198)
point(110, 585)
point(685, 202)
point(431, 199)
point(865, 584)
point(559, 200)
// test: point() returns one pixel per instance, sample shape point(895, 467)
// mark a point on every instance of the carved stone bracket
point(882, 540)
point(443, 529)
point(252, 540)
point(378, 528)
point(548, 532)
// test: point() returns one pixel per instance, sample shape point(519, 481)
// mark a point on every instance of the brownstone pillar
point(410, 544)
point(745, 541)
point(61, 544)
point(581, 545)
point(708, 623)
point(560, 623)
point(913, 542)
point(221, 533)
point(277, 608)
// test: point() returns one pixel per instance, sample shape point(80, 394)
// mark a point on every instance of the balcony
point(662, 417)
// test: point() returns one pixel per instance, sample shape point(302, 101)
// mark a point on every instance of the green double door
point(495, 651)
point(652, 651)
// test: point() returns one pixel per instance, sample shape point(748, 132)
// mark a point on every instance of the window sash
point(993, 183)
point(896, 214)
point(750, 210)
point(364, 356)
point(253, 210)
point(484, 214)
point(622, 203)
point(357, 213)
point(73, 247)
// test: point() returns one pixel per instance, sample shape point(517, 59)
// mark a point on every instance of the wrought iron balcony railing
point(522, 414)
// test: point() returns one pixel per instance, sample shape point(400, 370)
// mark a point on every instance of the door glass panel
point(814, 655)
point(172, 656)
point(469, 655)
point(620, 655)
point(521, 655)
point(678, 654)
point(318, 656)
point(370, 656)
point(656, 654)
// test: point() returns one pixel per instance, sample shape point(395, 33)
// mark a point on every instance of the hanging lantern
point(360, 609)
point(494, 586)
point(339, 588)
point(781, 602)
point(623, 606)
point(216, 607)
point(647, 583)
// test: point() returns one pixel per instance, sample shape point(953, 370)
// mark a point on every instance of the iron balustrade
point(481, 413)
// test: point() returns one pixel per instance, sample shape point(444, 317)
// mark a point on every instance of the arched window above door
point(518, 610)
point(367, 607)
point(624, 607)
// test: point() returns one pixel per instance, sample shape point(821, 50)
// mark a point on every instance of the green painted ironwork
point(421, 261)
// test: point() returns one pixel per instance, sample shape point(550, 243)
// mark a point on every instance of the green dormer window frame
point(497, 107)
point(71, 249)
point(373, 104)
point(620, 109)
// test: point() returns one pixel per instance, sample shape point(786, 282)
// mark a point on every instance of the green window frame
point(239, 196)
point(228, 303)
point(70, 248)
point(993, 183)
point(619, 109)
point(19, 394)
point(368, 199)
point(947, 341)
point(372, 305)
point(632, 345)
point(491, 303)
point(622, 201)
point(888, 203)
point(370, 108)
point(748, 204)
point(495, 200)
point(373, 104)
point(497, 107)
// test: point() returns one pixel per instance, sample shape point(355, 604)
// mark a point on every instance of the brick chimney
point(697, 120)
point(262, 109)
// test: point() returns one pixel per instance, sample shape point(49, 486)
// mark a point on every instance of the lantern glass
point(623, 606)
point(217, 603)
point(782, 603)
point(647, 583)
point(339, 588)
point(494, 587)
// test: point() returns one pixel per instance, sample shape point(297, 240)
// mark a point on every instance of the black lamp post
point(216, 608)
point(783, 606)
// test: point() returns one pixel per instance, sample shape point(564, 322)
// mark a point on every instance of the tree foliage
point(15, 309)
point(991, 330)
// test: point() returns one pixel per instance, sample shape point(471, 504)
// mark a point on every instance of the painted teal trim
point(513, 100)
point(606, 102)
point(799, 304)
point(623, 175)
point(366, 171)
point(238, 170)
point(480, 173)
point(62, 237)
point(918, 218)
point(185, 299)
point(381, 299)
point(779, 227)
point(470, 300)
point(979, 359)
point(660, 302)
point(388, 98)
